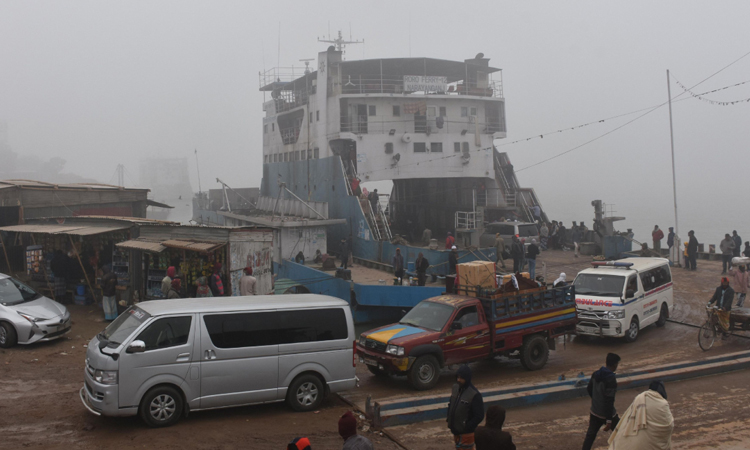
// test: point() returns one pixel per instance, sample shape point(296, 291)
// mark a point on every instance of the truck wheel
point(306, 393)
point(8, 336)
point(377, 372)
point(663, 315)
point(534, 353)
point(161, 407)
point(632, 334)
point(424, 373)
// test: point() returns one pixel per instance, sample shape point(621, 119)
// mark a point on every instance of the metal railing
point(386, 227)
point(375, 84)
point(428, 126)
point(467, 220)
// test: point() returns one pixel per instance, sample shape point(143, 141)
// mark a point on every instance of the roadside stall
point(195, 251)
point(78, 249)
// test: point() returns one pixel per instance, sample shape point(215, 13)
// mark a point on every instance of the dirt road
point(39, 404)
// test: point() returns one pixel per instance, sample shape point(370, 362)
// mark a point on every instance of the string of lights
point(708, 100)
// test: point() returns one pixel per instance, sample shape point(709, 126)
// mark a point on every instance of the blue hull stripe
point(536, 324)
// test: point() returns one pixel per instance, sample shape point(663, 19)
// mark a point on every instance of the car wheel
point(306, 393)
point(632, 333)
point(161, 407)
point(534, 353)
point(424, 373)
point(663, 315)
point(8, 336)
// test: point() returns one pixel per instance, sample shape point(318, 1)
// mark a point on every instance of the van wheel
point(306, 393)
point(632, 334)
point(534, 353)
point(8, 336)
point(161, 407)
point(663, 315)
point(424, 373)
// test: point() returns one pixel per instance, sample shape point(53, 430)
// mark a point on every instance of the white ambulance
point(619, 298)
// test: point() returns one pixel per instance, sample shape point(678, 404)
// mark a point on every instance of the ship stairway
point(517, 198)
point(377, 220)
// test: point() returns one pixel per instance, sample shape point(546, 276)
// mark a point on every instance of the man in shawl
point(647, 424)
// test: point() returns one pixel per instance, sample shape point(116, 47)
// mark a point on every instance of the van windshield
point(123, 326)
point(599, 285)
point(527, 230)
point(430, 315)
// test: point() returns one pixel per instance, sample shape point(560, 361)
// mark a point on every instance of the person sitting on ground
point(348, 431)
point(174, 290)
point(203, 291)
point(491, 436)
point(300, 258)
point(647, 423)
point(723, 296)
point(560, 281)
point(318, 258)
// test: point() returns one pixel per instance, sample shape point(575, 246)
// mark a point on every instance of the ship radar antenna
point(340, 43)
point(307, 64)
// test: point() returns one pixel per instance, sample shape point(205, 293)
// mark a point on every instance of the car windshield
point(430, 315)
point(123, 326)
point(527, 230)
point(13, 292)
point(599, 285)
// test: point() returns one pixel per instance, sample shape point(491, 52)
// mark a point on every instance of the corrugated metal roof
point(33, 184)
point(194, 246)
point(76, 230)
point(144, 245)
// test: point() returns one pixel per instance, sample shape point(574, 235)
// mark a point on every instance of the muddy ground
point(39, 404)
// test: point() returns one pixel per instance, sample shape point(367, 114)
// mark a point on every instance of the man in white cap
point(452, 260)
point(560, 281)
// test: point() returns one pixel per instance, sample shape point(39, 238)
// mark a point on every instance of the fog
point(101, 83)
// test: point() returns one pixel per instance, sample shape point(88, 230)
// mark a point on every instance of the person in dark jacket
point(452, 260)
point(531, 254)
point(465, 409)
point(737, 243)
point(398, 264)
point(602, 389)
point(723, 297)
point(491, 436)
point(421, 267)
point(215, 282)
point(344, 253)
point(516, 252)
point(692, 250)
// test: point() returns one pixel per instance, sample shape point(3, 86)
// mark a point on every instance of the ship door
point(360, 119)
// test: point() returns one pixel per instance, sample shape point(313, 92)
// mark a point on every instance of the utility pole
point(674, 178)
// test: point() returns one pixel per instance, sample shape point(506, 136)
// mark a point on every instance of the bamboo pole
point(7, 261)
point(78, 255)
point(44, 269)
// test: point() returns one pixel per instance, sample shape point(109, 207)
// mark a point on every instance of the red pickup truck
point(454, 329)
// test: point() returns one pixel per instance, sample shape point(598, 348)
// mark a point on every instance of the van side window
point(647, 280)
point(312, 325)
point(468, 317)
point(242, 330)
point(167, 332)
point(655, 278)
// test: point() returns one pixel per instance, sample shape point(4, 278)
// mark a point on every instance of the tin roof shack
point(21, 200)
point(195, 251)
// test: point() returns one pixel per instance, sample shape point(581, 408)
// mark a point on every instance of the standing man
point(215, 283)
point(531, 254)
point(674, 250)
point(727, 250)
point(692, 250)
point(516, 252)
point(737, 243)
point(374, 201)
point(657, 235)
point(543, 236)
point(465, 410)
point(452, 260)
point(344, 253)
point(398, 264)
point(576, 240)
point(536, 212)
point(421, 266)
point(248, 282)
point(602, 389)
point(499, 249)
point(450, 241)
point(166, 282)
point(426, 236)
point(740, 281)
point(109, 293)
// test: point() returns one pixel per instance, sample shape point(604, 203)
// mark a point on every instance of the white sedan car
point(27, 316)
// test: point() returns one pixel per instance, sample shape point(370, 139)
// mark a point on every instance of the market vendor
point(109, 293)
point(166, 283)
point(215, 282)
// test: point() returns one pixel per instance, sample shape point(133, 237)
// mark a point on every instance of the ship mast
point(339, 42)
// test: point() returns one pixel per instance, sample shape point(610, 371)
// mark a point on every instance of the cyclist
point(723, 297)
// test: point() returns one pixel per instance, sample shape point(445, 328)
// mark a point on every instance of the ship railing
point(427, 126)
point(466, 220)
point(374, 84)
point(386, 227)
point(373, 223)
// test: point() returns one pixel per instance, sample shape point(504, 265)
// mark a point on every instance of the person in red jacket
point(450, 241)
point(657, 235)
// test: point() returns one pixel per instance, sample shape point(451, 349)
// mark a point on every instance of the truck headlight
point(362, 341)
point(395, 350)
point(106, 377)
point(616, 315)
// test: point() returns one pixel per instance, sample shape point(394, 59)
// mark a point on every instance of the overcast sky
point(101, 83)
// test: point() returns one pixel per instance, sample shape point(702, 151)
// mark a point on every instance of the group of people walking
point(213, 286)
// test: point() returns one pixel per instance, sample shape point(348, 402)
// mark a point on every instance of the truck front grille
point(375, 345)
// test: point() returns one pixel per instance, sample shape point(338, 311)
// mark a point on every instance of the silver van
point(161, 359)
point(524, 230)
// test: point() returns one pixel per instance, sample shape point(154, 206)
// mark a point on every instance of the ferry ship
point(428, 125)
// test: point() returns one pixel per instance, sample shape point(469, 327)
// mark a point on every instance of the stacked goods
point(475, 276)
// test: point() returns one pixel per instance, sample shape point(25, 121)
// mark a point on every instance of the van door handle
point(210, 354)
point(183, 357)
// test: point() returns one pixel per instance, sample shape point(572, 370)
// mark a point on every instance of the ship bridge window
point(465, 147)
point(464, 111)
point(316, 153)
point(371, 110)
point(388, 148)
point(457, 147)
point(396, 111)
point(310, 116)
point(436, 147)
point(317, 116)
point(420, 147)
point(473, 111)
